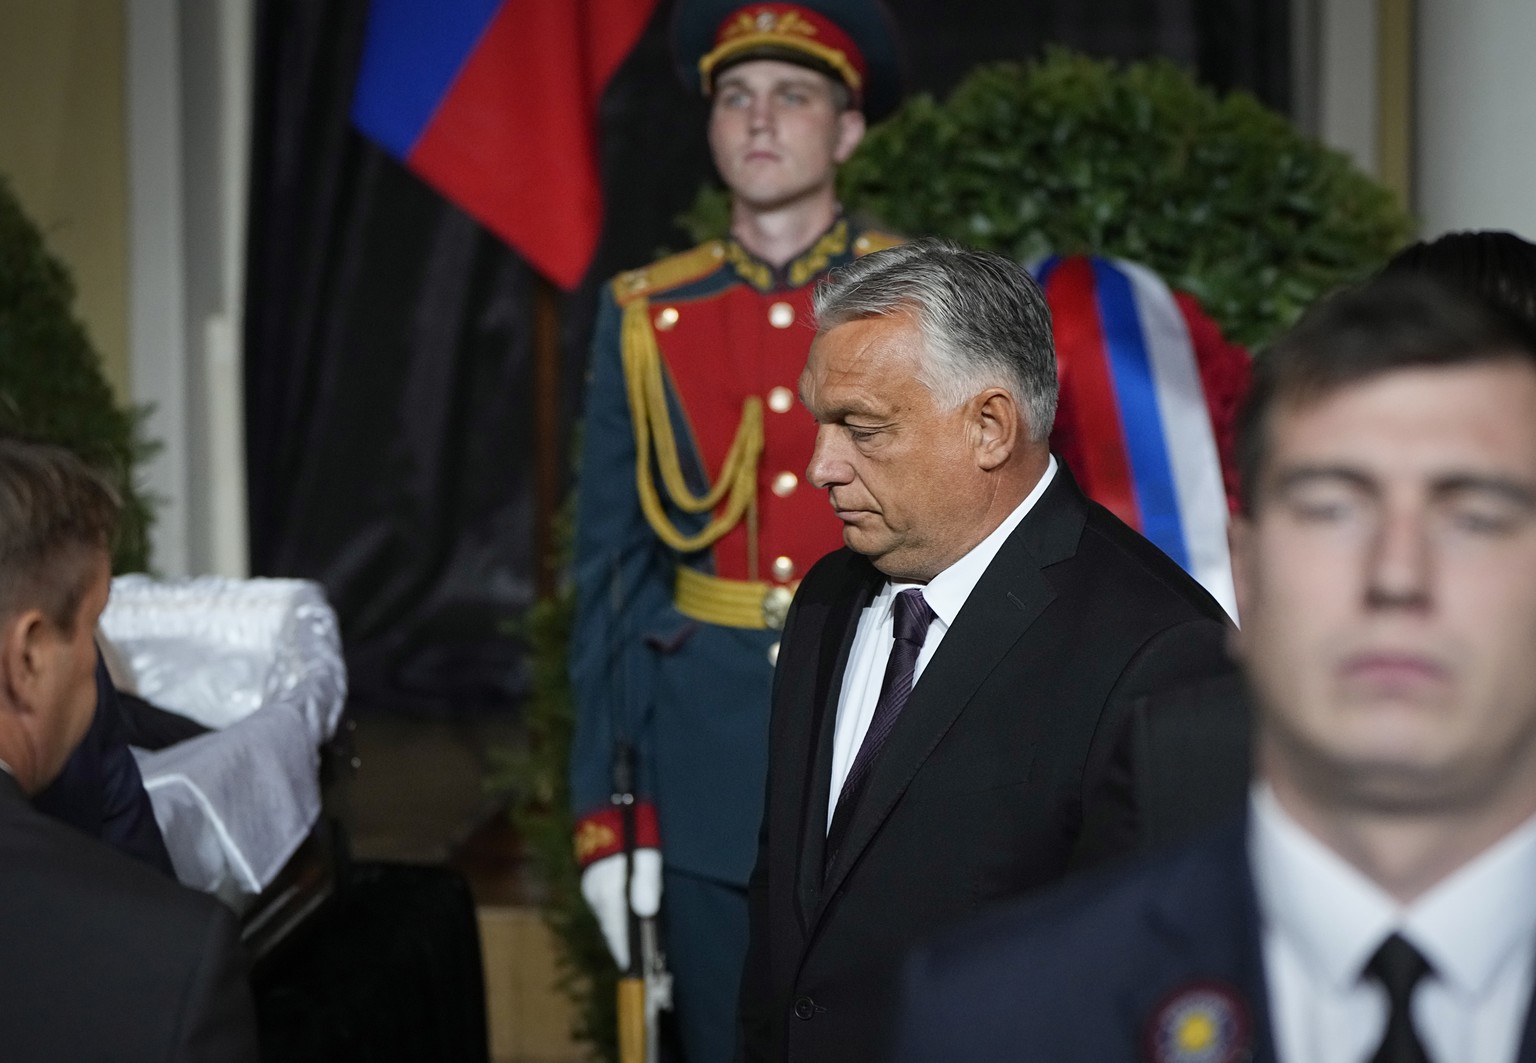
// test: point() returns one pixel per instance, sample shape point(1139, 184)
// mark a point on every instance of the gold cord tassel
point(646, 389)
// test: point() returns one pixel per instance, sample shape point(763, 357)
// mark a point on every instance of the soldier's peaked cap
point(852, 41)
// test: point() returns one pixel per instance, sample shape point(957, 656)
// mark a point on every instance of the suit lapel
point(1207, 927)
point(1006, 601)
point(847, 604)
point(10, 789)
point(1527, 1053)
point(992, 621)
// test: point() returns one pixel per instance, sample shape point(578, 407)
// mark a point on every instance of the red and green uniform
point(706, 348)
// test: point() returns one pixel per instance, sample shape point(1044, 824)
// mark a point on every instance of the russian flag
point(494, 104)
point(1134, 423)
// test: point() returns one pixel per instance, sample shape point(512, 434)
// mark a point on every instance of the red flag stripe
point(514, 142)
point(1080, 351)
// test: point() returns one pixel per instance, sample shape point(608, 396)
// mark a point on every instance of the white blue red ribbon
point(1143, 428)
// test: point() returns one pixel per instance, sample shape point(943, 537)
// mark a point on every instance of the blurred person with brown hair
point(107, 959)
point(1374, 902)
point(1496, 267)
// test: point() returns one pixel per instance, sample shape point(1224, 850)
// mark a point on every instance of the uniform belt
point(750, 604)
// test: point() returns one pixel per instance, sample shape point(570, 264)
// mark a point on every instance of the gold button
point(861, 244)
point(783, 569)
point(784, 484)
point(781, 315)
point(780, 399)
point(667, 318)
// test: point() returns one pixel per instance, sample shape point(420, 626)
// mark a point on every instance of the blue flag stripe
point(1131, 369)
point(411, 53)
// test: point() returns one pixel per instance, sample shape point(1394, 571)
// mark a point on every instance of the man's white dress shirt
point(1322, 921)
point(871, 649)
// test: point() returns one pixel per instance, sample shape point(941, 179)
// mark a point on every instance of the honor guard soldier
point(693, 524)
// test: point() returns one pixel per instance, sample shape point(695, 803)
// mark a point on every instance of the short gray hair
point(984, 321)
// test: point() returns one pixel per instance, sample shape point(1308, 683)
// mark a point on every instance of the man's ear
point(850, 130)
point(998, 425)
point(23, 656)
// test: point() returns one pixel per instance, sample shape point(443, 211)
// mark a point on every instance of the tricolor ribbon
point(1134, 418)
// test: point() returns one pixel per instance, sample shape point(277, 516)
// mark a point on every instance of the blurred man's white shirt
point(1322, 921)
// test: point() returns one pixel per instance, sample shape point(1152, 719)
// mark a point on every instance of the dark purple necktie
point(911, 619)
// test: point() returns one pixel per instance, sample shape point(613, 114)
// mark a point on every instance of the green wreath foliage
point(1222, 197)
point(51, 384)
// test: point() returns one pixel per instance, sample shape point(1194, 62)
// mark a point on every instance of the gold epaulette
point(871, 241)
point(668, 272)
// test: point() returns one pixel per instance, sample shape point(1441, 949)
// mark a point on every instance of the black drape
point(388, 376)
point(390, 441)
point(389, 971)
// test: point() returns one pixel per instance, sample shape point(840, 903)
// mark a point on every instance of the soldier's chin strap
point(646, 389)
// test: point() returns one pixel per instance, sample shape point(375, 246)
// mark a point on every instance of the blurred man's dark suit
point(108, 960)
point(979, 791)
point(100, 791)
point(1180, 933)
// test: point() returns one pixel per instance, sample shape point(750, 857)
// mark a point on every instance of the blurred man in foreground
point(1375, 904)
point(105, 958)
point(1183, 762)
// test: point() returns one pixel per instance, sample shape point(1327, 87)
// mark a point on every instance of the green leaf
point(51, 383)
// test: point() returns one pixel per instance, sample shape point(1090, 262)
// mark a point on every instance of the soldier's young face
point(1387, 587)
point(778, 134)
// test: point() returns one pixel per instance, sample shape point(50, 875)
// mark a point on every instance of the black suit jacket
point(100, 791)
point(1102, 970)
point(1182, 765)
point(979, 791)
point(107, 960)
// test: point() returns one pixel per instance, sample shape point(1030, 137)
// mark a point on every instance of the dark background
point(389, 358)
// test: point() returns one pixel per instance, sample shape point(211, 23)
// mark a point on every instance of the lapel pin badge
point(1200, 1022)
